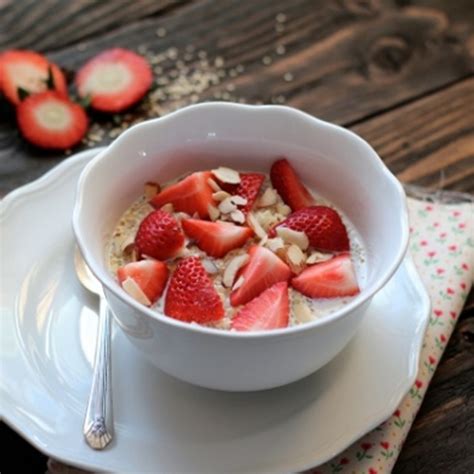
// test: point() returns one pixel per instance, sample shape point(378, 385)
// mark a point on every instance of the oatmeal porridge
point(237, 250)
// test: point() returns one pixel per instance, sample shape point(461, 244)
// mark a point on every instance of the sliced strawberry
point(269, 310)
point(191, 295)
point(322, 225)
point(262, 271)
point(29, 71)
point(114, 79)
point(149, 275)
point(159, 236)
point(190, 195)
point(49, 120)
point(289, 187)
point(249, 187)
point(216, 238)
point(329, 279)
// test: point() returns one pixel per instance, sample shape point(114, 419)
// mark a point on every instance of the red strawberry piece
point(29, 71)
point(49, 120)
point(216, 238)
point(190, 195)
point(248, 188)
point(263, 270)
point(159, 236)
point(288, 185)
point(269, 310)
point(329, 279)
point(149, 275)
point(114, 79)
point(322, 225)
point(191, 295)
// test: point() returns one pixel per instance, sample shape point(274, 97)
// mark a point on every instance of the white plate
point(48, 327)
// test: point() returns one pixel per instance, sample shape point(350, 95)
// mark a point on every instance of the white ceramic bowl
point(330, 159)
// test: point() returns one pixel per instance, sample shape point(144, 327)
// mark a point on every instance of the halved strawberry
point(269, 310)
point(322, 225)
point(190, 195)
point(49, 120)
point(329, 279)
point(262, 271)
point(149, 275)
point(289, 187)
point(114, 79)
point(191, 295)
point(29, 71)
point(159, 236)
point(216, 238)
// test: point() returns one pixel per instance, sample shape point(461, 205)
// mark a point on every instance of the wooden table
point(398, 72)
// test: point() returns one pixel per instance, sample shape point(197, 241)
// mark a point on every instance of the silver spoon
point(98, 422)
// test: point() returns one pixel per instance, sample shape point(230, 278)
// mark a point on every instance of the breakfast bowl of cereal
point(240, 246)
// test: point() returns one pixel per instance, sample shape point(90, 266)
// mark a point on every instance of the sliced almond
point(220, 196)
point(266, 218)
point(209, 266)
point(237, 216)
point(151, 188)
point(255, 225)
point(238, 200)
point(182, 215)
point(275, 244)
point(283, 209)
point(268, 198)
point(296, 255)
point(291, 236)
point(130, 286)
point(316, 257)
point(214, 186)
point(238, 283)
point(214, 213)
point(168, 207)
point(227, 206)
point(226, 175)
point(302, 312)
point(232, 268)
point(263, 241)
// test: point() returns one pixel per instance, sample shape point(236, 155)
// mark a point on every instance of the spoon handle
point(98, 423)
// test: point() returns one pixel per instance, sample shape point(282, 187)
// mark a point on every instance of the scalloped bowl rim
point(358, 301)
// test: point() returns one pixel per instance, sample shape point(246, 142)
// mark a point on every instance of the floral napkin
point(442, 246)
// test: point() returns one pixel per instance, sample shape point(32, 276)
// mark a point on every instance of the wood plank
point(429, 142)
point(47, 25)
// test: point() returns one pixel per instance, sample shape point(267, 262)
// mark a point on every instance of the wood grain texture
point(47, 25)
point(429, 142)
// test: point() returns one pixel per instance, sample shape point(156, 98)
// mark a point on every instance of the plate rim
point(71, 457)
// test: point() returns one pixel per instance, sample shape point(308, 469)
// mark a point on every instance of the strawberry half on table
point(144, 280)
point(290, 188)
point(114, 80)
point(329, 279)
point(269, 310)
point(216, 238)
point(191, 295)
point(49, 120)
point(26, 72)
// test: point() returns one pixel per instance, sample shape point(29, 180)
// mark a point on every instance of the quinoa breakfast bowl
point(239, 246)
